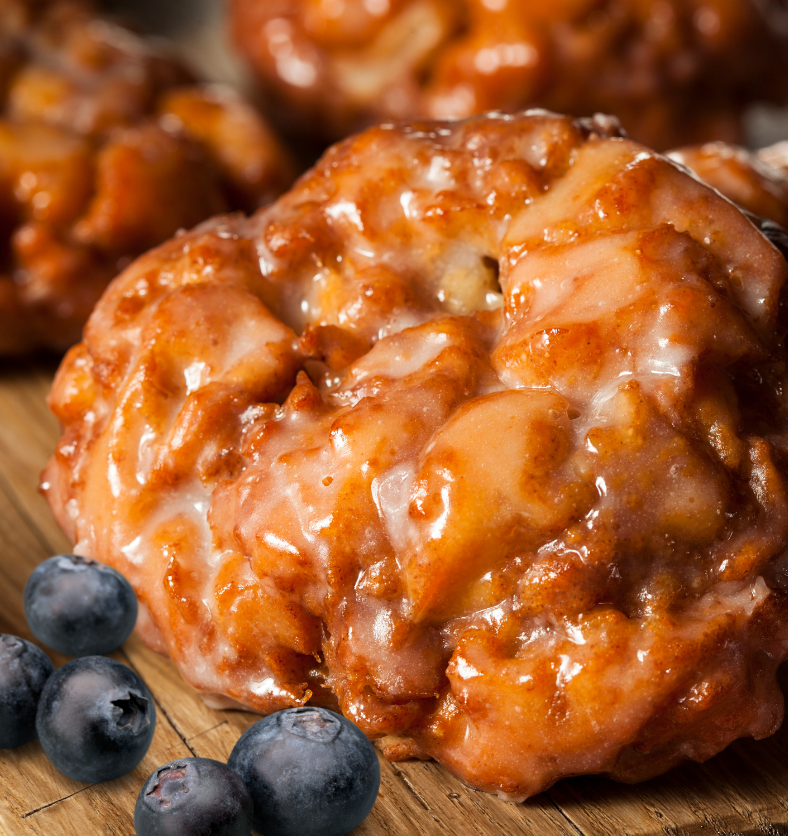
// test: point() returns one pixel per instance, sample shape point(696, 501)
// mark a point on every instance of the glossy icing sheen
point(522, 507)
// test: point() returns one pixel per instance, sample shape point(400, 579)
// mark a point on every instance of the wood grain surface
point(742, 791)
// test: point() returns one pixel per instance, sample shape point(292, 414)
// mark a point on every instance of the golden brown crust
point(514, 499)
point(674, 72)
point(104, 153)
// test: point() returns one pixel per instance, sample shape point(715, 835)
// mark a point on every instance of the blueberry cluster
point(95, 717)
point(299, 772)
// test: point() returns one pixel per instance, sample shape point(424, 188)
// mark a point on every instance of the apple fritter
point(478, 434)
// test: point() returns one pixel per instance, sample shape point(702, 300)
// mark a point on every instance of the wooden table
point(742, 791)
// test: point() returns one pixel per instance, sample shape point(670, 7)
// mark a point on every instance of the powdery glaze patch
point(528, 539)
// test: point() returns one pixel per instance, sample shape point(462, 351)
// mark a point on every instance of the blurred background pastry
point(673, 71)
point(757, 181)
point(107, 148)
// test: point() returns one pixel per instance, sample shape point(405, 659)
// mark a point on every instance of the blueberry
point(95, 719)
point(310, 773)
point(194, 797)
point(79, 607)
point(24, 669)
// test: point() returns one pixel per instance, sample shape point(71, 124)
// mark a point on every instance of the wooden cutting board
point(742, 791)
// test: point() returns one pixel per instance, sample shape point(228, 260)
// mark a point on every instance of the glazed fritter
point(106, 149)
point(674, 71)
point(477, 434)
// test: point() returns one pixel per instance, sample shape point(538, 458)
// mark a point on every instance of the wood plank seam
point(416, 794)
point(768, 828)
point(572, 824)
point(52, 803)
point(212, 728)
point(764, 824)
point(160, 707)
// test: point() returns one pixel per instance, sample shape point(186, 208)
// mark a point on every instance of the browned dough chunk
point(478, 434)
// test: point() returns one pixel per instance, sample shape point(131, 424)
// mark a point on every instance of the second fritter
point(107, 148)
point(673, 71)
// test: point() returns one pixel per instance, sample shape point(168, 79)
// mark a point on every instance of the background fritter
point(673, 71)
point(106, 149)
point(756, 181)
